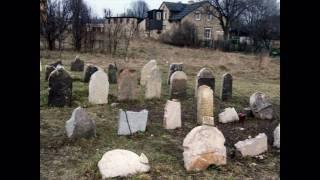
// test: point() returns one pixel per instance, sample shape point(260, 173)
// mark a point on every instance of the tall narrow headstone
point(205, 105)
point(172, 114)
point(88, 71)
point(98, 88)
point(127, 85)
point(77, 65)
point(112, 74)
point(204, 77)
point(178, 85)
point(173, 68)
point(146, 70)
point(153, 83)
point(60, 88)
point(226, 87)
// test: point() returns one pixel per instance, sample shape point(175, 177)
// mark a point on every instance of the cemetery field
point(61, 158)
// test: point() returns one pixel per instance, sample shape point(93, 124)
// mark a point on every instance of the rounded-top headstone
point(99, 88)
point(226, 87)
point(88, 71)
point(146, 70)
point(205, 105)
point(127, 85)
point(77, 65)
point(153, 83)
point(178, 85)
point(173, 68)
point(112, 74)
point(204, 77)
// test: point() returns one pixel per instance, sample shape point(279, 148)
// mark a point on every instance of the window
point(164, 15)
point(207, 33)
point(198, 16)
point(109, 21)
point(209, 17)
point(158, 15)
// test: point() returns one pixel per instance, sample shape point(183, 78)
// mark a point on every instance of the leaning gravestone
point(153, 83)
point(172, 114)
point(98, 88)
point(226, 87)
point(88, 71)
point(146, 70)
point(131, 122)
point(178, 85)
point(204, 77)
point(112, 74)
point(204, 146)
point(60, 88)
point(77, 65)
point(205, 105)
point(120, 162)
point(127, 85)
point(173, 68)
point(261, 106)
point(49, 69)
point(80, 125)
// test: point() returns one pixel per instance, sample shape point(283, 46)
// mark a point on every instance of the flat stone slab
point(131, 122)
point(253, 146)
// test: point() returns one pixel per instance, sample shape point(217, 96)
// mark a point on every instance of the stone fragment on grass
point(253, 146)
point(131, 122)
point(228, 115)
point(261, 106)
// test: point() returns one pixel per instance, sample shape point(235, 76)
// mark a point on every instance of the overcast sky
point(119, 6)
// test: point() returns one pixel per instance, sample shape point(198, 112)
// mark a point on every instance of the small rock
point(241, 129)
point(253, 147)
point(249, 137)
point(228, 115)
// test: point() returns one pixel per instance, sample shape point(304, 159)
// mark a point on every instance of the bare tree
point(107, 12)
point(49, 26)
point(138, 9)
point(63, 21)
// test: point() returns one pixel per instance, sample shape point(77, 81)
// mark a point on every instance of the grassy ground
point(61, 158)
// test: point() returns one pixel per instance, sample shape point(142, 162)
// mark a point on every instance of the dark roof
point(180, 10)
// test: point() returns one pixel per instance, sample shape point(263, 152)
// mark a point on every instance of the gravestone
point(276, 137)
point(253, 146)
point(122, 163)
point(226, 87)
point(173, 68)
point(153, 83)
point(56, 64)
point(49, 69)
point(146, 70)
point(131, 122)
point(205, 105)
point(60, 88)
point(204, 77)
point(261, 106)
point(77, 65)
point(178, 85)
point(204, 146)
point(112, 74)
point(127, 85)
point(80, 125)
point(172, 114)
point(40, 66)
point(88, 71)
point(98, 88)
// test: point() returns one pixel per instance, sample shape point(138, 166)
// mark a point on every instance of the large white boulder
point(228, 115)
point(253, 146)
point(122, 163)
point(276, 137)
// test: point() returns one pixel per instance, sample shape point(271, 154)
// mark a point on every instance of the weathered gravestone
point(127, 85)
point(173, 68)
point(88, 71)
point(253, 146)
point(49, 69)
point(204, 77)
point(131, 122)
point(80, 125)
point(261, 106)
point(98, 88)
point(77, 65)
point(204, 146)
point(153, 83)
point(122, 163)
point(205, 105)
point(172, 114)
point(40, 66)
point(60, 88)
point(178, 85)
point(276, 137)
point(112, 74)
point(226, 87)
point(146, 70)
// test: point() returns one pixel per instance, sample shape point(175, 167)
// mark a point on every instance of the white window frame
point(158, 16)
point(209, 17)
point(210, 34)
point(164, 15)
point(197, 13)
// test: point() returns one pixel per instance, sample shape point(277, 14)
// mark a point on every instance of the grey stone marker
point(226, 87)
point(112, 74)
point(80, 125)
point(77, 65)
point(153, 83)
point(131, 122)
point(261, 106)
point(178, 85)
point(204, 77)
point(127, 85)
point(88, 71)
point(60, 88)
point(173, 68)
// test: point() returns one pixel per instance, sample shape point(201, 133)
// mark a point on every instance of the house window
point(198, 16)
point(164, 15)
point(207, 33)
point(109, 21)
point(209, 17)
point(158, 15)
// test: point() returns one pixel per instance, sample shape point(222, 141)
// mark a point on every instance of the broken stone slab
point(80, 125)
point(261, 106)
point(122, 163)
point(203, 146)
point(77, 64)
point(146, 71)
point(253, 146)
point(228, 115)
point(276, 137)
point(131, 122)
point(172, 114)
